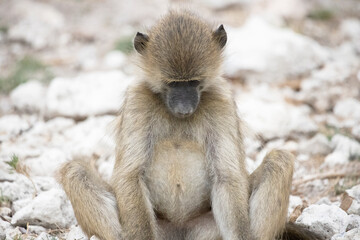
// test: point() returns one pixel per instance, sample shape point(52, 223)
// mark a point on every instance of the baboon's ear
point(220, 36)
point(140, 42)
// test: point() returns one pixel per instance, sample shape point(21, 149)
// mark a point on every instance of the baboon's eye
point(174, 84)
point(194, 83)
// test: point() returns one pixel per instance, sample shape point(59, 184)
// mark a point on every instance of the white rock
point(355, 206)
point(345, 144)
point(91, 137)
point(36, 229)
point(354, 222)
point(89, 94)
point(29, 97)
point(348, 108)
point(294, 201)
point(87, 57)
point(23, 188)
point(354, 192)
point(302, 157)
point(13, 233)
point(353, 234)
point(267, 114)
point(50, 209)
point(345, 148)
point(274, 9)
point(336, 158)
point(4, 211)
point(12, 125)
point(6, 175)
point(333, 76)
point(318, 145)
point(317, 185)
point(45, 236)
point(324, 219)
point(19, 189)
point(273, 52)
point(114, 60)
point(39, 24)
point(351, 28)
point(222, 4)
point(20, 203)
point(76, 233)
point(44, 135)
point(47, 163)
point(4, 225)
point(324, 200)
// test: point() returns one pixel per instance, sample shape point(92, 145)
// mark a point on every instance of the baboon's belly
point(178, 181)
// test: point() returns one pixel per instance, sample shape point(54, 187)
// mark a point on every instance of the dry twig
point(325, 176)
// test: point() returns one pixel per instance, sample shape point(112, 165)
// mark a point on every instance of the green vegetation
point(321, 14)
point(125, 44)
point(25, 69)
point(13, 162)
point(3, 29)
point(329, 131)
point(4, 200)
point(21, 169)
point(18, 237)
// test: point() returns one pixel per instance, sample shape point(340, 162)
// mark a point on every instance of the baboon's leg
point(270, 187)
point(92, 199)
point(203, 228)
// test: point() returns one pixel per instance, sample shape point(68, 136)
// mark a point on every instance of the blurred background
point(65, 65)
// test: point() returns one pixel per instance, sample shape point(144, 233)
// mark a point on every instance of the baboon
point(180, 162)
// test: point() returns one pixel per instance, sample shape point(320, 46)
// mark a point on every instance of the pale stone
point(76, 233)
point(324, 219)
point(265, 111)
point(90, 94)
point(50, 209)
point(353, 234)
point(318, 145)
point(348, 109)
point(39, 24)
point(269, 52)
point(29, 97)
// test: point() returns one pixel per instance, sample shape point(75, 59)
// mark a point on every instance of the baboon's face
point(176, 53)
point(182, 98)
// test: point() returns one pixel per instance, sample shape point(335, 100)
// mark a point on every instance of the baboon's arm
point(230, 192)
point(133, 152)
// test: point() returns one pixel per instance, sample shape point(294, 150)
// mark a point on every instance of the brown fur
point(181, 178)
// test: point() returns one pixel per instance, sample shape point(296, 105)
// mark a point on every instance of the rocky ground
point(65, 65)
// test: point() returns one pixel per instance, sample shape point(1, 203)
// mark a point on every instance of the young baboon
point(180, 171)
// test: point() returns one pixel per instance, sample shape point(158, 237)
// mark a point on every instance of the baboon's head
point(181, 57)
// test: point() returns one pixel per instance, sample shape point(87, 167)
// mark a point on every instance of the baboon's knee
point(70, 171)
point(92, 199)
point(279, 162)
point(270, 186)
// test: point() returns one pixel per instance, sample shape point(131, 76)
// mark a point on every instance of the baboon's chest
point(177, 179)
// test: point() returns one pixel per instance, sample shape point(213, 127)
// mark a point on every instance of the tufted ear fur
point(140, 42)
point(220, 36)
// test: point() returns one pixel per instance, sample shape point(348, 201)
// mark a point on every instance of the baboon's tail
point(296, 232)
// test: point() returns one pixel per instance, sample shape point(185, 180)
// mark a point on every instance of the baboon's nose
point(183, 110)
